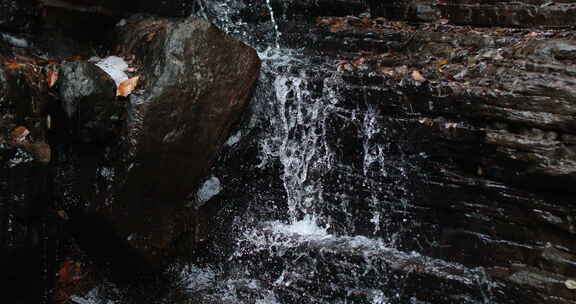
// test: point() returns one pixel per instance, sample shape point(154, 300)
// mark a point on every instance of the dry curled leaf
point(51, 77)
point(150, 36)
point(127, 86)
point(418, 77)
point(19, 134)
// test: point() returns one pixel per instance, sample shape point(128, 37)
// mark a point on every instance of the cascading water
point(318, 211)
point(328, 203)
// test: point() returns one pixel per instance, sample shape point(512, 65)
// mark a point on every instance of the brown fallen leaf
point(150, 36)
point(418, 77)
point(13, 65)
point(19, 134)
point(51, 77)
point(442, 62)
point(127, 86)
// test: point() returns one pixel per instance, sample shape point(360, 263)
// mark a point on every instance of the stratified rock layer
point(480, 98)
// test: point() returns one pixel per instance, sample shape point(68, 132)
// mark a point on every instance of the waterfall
point(319, 207)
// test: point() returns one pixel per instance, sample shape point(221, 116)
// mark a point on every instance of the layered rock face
point(484, 92)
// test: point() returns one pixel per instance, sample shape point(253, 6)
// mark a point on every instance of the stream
point(315, 189)
point(315, 192)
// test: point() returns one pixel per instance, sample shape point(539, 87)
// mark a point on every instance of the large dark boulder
point(195, 84)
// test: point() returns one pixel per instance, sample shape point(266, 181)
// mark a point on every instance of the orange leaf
point(418, 77)
point(150, 36)
point(13, 65)
point(19, 134)
point(127, 86)
point(52, 77)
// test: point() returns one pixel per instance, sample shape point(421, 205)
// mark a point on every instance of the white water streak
point(274, 23)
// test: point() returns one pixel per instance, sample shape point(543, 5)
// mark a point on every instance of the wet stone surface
point(483, 114)
point(19, 15)
point(431, 126)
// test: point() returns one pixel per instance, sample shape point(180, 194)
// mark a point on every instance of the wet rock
point(19, 15)
point(176, 8)
point(25, 193)
point(326, 267)
point(479, 13)
point(88, 99)
point(195, 83)
point(490, 132)
point(258, 10)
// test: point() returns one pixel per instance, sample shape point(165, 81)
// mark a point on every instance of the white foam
point(234, 139)
point(209, 189)
point(92, 297)
point(304, 227)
